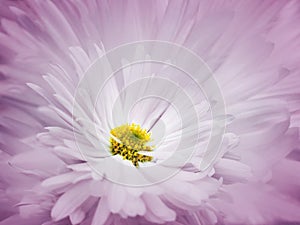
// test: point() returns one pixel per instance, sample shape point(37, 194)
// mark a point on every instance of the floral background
point(253, 51)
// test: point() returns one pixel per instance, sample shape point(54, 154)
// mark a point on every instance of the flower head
point(128, 140)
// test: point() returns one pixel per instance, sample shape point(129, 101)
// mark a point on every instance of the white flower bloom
point(68, 111)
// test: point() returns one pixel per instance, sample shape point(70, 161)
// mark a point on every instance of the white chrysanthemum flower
point(113, 160)
point(130, 149)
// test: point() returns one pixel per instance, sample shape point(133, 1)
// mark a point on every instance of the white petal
point(158, 208)
point(101, 214)
point(70, 201)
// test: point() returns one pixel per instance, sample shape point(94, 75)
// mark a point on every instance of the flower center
point(127, 140)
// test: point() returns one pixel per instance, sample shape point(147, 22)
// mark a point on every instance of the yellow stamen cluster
point(128, 140)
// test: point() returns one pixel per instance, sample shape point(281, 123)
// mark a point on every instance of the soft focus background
point(253, 50)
